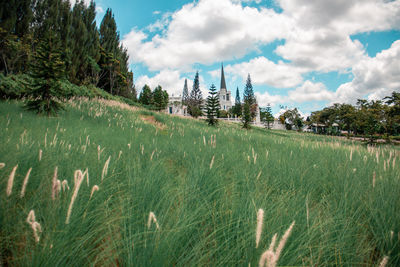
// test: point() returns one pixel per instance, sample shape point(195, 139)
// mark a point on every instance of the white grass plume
point(65, 185)
point(78, 178)
point(384, 261)
point(271, 257)
point(212, 162)
point(25, 183)
point(105, 168)
point(94, 189)
point(260, 220)
point(54, 187)
point(40, 154)
point(152, 218)
point(2, 165)
point(10, 182)
point(31, 220)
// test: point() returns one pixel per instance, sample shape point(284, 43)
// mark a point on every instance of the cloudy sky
point(299, 53)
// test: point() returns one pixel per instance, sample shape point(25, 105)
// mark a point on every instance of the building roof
point(223, 84)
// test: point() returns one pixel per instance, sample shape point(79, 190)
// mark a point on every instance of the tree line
point(52, 49)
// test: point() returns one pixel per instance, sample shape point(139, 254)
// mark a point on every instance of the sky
point(306, 54)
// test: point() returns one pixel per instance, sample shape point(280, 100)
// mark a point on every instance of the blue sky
point(300, 53)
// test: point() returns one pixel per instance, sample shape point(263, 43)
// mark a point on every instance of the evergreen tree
point(212, 106)
point(266, 116)
point(48, 69)
point(249, 105)
point(237, 108)
point(160, 98)
point(185, 94)
point(146, 96)
point(196, 98)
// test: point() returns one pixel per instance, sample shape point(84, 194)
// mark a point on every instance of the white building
point(225, 96)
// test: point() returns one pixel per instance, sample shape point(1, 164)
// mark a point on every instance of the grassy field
point(204, 186)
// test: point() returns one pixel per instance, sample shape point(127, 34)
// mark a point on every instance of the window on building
point(170, 110)
point(223, 97)
point(224, 107)
point(227, 97)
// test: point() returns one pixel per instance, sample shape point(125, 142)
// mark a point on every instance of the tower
point(224, 94)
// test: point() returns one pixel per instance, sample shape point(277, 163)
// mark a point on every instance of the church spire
point(223, 84)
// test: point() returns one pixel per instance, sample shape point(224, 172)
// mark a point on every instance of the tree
point(160, 98)
point(237, 108)
point(212, 106)
point(146, 97)
point(249, 105)
point(185, 94)
point(266, 116)
point(47, 71)
point(196, 98)
point(292, 118)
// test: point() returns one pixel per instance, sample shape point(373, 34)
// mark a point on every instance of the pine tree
point(48, 69)
point(196, 98)
point(160, 98)
point(266, 116)
point(185, 94)
point(212, 106)
point(237, 108)
point(250, 104)
point(146, 96)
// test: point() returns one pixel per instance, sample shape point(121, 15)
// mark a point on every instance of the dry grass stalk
point(271, 257)
point(204, 140)
point(105, 168)
point(86, 173)
point(78, 178)
point(384, 261)
point(212, 162)
point(260, 220)
point(54, 187)
point(152, 218)
point(119, 154)
point(10, 182)
point(65, 185)
point(129, 146)
point(255, 159)
point(351, 154)
point(2, 165)
point(98, 152)
point(31, 220)
point(259, 174)
point(373, 179)
point(25, 183)
point(94, 189)
point(40, 154)
point(152, 154)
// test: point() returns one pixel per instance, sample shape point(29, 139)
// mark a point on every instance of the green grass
point(206, 216)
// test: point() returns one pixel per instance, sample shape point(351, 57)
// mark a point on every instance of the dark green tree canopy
point(212, 106)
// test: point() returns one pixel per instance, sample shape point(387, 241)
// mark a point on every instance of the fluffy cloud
point(264, 99)
point(373, 77)
point(264, 71)
point(206, 32)
point(310, 91)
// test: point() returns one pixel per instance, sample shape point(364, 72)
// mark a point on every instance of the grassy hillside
point(204, 186)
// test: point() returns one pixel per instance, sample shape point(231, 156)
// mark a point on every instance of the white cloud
point(264, 99)
point(99, 10)
point(373, 77)
point(310, 91)
point(156, 12)
point(264, 71)
point(206, 32)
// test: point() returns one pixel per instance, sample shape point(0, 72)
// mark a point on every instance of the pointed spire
point(223, 84)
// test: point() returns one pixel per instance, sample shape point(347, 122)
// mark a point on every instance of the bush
point(14, 86)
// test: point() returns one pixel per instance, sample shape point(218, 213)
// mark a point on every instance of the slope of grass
point(204, 186)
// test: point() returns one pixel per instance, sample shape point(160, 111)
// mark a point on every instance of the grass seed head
point(212, 162)
point(94, 189)
point(78, 178)
point(2, 165)
point(152, 218)
point(11, 180)
point(384, 261)
point(105, 168)
point(40, 154)
point(25, 183)
point(260, 220)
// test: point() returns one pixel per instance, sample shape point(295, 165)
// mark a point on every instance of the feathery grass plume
point(40, 154)
point(10, 182)
point(54, 186)
point(78, 178)
point(255, 159)
point(373, 179)
point(270, 257)
point(384, 261)
point(105, 168)
point(31, 220)
point(351, 154)
point(98, 152)
point(129, 146)
point(25, 183)
point(45, 140)
point(86, 173)
point(260, 220)
point(94, 189)
point(152, 154)
point(259, 174)
point(153, 218)
point(119, 154)
point(212, 162)
point(65, 185)
point(204, 140)
point(2, 165)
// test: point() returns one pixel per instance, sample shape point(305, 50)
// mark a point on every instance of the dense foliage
point(369, 118)
point(196, 98)
point(249, 104)
point(90, 56)
point(212, 106)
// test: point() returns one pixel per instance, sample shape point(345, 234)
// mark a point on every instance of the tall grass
point(204, 187)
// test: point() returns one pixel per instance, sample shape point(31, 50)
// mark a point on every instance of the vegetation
point(212, 106)
point(237, 108)
point(249, 104)
point(290, 118)
point(89, 56)
point(195, 98)
point(201, 187)
point(367, 118)
point(266, 116)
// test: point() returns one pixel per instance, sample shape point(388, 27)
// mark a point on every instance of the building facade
point(225, 96)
